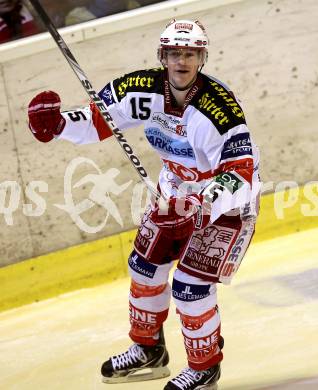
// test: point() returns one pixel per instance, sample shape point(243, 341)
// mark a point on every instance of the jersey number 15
point(143, 109)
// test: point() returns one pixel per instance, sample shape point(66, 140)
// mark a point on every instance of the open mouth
point(182, 71)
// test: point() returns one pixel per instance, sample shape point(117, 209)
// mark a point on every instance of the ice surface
point(269, 322)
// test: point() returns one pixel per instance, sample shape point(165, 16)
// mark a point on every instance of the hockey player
point(198, 128)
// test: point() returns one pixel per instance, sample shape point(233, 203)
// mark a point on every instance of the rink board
point(269, 321)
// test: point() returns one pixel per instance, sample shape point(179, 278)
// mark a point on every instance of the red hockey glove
point(45, 119)
point(181, 210)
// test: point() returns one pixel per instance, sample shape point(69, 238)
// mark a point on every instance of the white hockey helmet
point(183, 34)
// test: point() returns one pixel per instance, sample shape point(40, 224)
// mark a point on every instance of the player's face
point(182, 65)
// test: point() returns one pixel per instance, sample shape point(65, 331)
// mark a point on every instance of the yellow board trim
point(277, 219)
point(105, 260)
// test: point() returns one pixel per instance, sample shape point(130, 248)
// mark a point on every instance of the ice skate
point(138, 363)
point(190, 379)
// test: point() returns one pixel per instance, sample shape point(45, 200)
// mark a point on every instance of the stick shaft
point(101, 106)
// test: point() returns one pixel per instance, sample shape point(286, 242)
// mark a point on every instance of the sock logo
point(187, 290)
point(142, 267)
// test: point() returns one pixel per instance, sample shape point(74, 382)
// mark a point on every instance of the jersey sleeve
point(84, 126)
point(127, 102)
point(233, 157)
point(226, 143)
point(236, 154)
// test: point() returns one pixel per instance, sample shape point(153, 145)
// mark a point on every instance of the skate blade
point(146, 374)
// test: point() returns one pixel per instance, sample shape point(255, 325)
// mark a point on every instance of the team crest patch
point(208, 250)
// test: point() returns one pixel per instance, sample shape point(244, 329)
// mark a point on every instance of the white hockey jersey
point(206, 140)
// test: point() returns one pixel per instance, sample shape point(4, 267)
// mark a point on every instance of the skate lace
point(134, 354)
point(187, 377)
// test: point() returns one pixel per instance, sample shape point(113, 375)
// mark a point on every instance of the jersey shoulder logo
point(107, 95)
point(237, 146)
point(219, 105)
point(139, 81)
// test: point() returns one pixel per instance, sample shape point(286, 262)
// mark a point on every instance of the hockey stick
point(101, 106)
